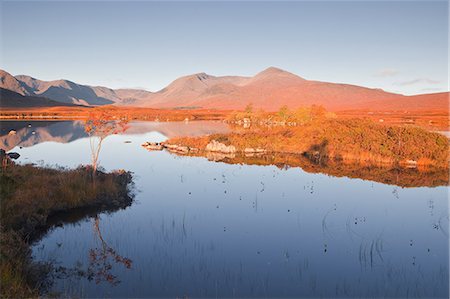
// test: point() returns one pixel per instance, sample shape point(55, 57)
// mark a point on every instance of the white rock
point(219, 147)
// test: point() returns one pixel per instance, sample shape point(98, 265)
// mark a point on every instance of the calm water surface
point(208, 229)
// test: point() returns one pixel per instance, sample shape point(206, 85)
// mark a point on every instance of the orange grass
point(351, 139)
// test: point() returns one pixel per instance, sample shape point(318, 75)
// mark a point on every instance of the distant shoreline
point(433, 120)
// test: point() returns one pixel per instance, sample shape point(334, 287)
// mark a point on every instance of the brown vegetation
point(427, 119)
point(99, 125)
point(29, 197)
point(315, 133)
point(128, 113)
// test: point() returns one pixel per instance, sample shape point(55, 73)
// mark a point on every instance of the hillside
point(63, 91)
point(274, 88)
point(66, 91)
point(10, 98)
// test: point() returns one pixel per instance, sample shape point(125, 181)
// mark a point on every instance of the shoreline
point(28, 216)
point(390, 174)
point(356, 141)
point(433, 120)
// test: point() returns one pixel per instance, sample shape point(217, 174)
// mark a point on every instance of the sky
point(397, 46)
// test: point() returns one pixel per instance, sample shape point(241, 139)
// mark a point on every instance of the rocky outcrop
point(175, 148)
point(153, 146)
point(212, 147)
point(215, 146)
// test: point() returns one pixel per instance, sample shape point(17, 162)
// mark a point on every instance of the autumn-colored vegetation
point(429, 119)
point(30, 196)
point(125, 113)
point(99, 125)
point(284, 116)
point(319, 135)
point(432, 120)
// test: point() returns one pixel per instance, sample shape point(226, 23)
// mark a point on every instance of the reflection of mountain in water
point(403, 177)
point(29, 133)
point(177, 129)
point(34, 132)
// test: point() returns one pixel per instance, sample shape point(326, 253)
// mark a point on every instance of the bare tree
point(99, 125)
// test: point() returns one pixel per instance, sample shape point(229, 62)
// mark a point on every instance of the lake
point(201, 228)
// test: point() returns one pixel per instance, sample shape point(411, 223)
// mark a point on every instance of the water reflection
point(213, 229)
point(403, 177)
point(35, 132)
point(26, 134)
point(102, 257)
point(29, 133)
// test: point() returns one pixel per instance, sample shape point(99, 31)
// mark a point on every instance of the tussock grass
point(29, 196)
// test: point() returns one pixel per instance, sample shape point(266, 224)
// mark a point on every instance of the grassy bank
point(347, 140)
point(31, 195)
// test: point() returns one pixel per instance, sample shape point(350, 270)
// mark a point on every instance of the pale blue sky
point(398, 46)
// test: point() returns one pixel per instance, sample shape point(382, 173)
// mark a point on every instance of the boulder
point(215, 146)
point(410, 163)
point(13, 155)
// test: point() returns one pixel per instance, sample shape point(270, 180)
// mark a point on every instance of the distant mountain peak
point(25, 77)
point(203, 76)
point(274, 71)
point(8, 81)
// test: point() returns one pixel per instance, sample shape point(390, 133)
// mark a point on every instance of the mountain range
point(268, 90)
point(9, 98)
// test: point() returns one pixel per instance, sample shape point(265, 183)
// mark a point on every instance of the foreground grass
point(348, 140)
point(29, 196)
